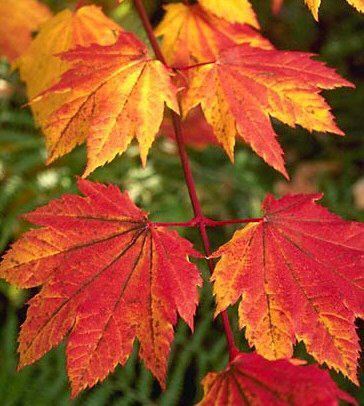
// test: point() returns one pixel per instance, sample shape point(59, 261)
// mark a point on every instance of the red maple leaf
point(252, 380)
point(299, 273)
point(109, 276)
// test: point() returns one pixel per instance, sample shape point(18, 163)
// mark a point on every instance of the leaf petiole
point(197, 222)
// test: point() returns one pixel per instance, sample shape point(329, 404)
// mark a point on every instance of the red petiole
point(197, 222)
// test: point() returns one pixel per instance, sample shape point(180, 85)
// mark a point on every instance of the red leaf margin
point(108, 276)
point(252, 380)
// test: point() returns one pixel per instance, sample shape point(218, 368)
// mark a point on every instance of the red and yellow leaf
point(40, 68)
point(114, 93)
point(245, 86)
point(234, 11)
point(192, 34)
point(250, 380)
point(108, 276)
point(299, 273)
point(18, 20)
point(314, 5)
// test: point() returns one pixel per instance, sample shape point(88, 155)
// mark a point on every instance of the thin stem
point(196, 65)
point(208, 222)
point(221, 223)
point(149, 30)
point(233, 351)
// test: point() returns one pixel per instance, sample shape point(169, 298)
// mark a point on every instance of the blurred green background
point(318, 162)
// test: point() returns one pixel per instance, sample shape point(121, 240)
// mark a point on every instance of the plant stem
point(197, 209)
point(208, 222)
point(149, 30)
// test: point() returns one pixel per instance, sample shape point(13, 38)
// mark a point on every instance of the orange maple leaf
point(40, 68)
point(114, 93)
point(245, 85)
point(299, 273)
point(108, 276)
point(194, 34)
point(252, 380)
point(234, 11)
point(18, 20)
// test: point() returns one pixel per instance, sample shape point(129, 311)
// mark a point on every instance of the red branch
point(201, 220)
point(196, 65)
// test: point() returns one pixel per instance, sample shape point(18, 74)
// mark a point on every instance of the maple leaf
point(192, 34)
point(18, 20)
point(245, 85)
point(252, 380)
point(115, 93)
point(314, 5)
point(234, 11)
point(40, 68)
point(299, 273)
point(109, 276)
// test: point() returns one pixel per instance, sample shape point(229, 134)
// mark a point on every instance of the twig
point(200, 218)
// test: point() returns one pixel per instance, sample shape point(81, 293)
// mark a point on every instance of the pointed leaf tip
point(251, 380)
point(107, 279)
point(118, 93)
point(299, 275)
point(245, 86)
point(314, 6)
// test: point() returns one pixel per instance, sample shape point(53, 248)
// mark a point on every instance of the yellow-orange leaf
point(114, 93)
point(250, 380)
point(108, 276)
point(299, 273)
point(246, 85)
point(40, 68)
point(314, 5)
point(18, 20)
point(192, 34)
point(234, 11)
